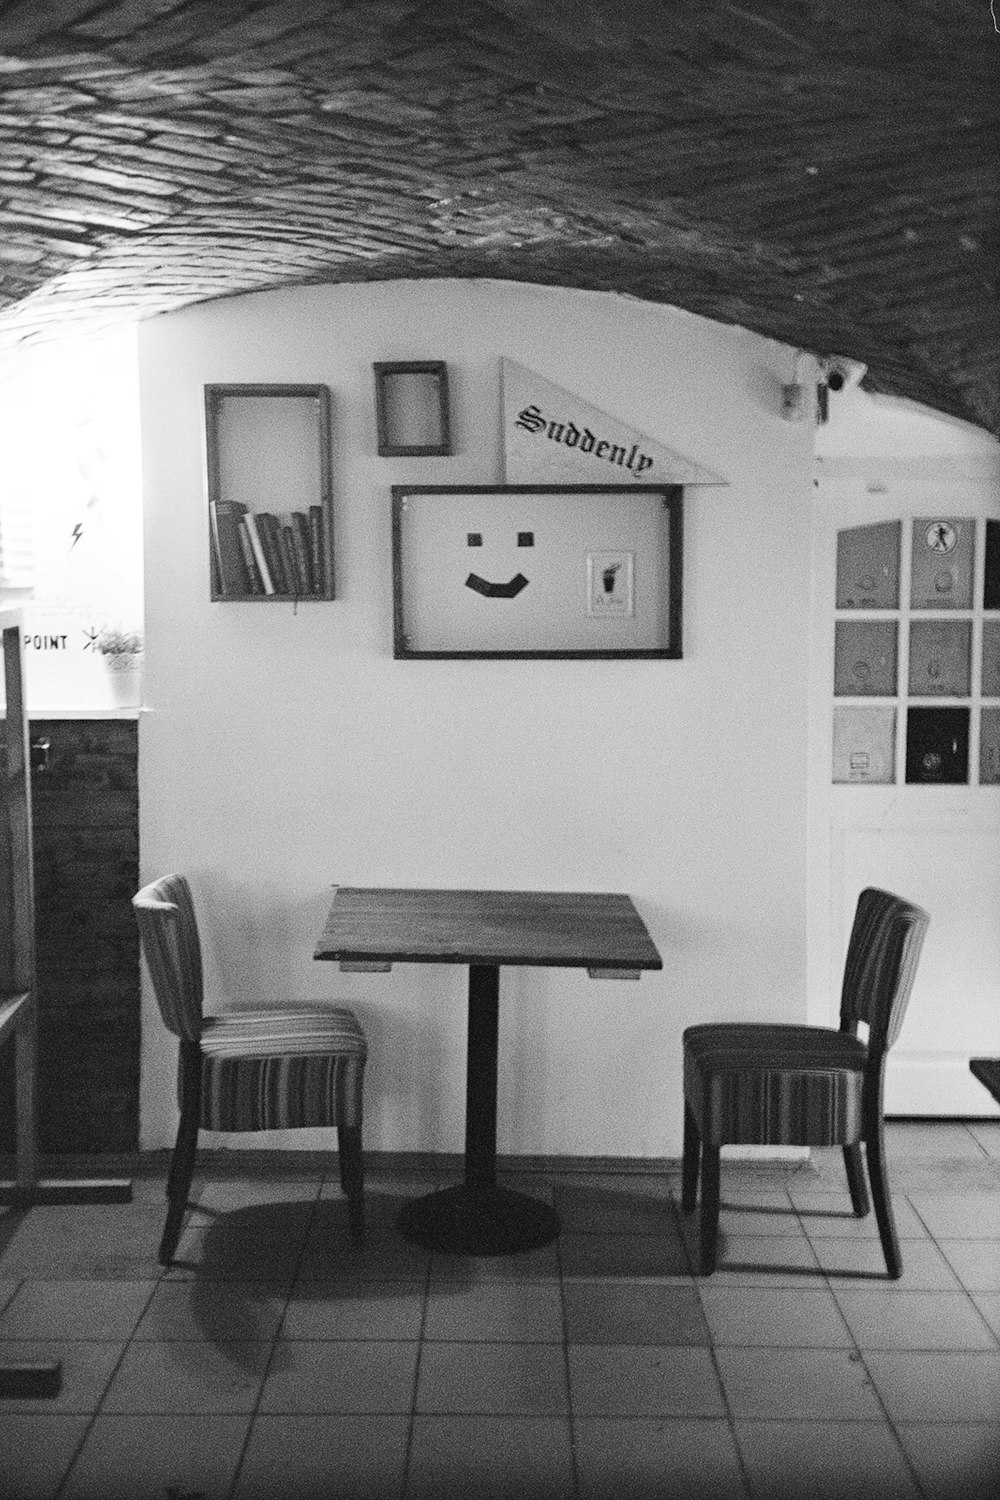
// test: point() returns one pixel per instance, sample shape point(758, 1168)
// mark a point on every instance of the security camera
point(840, 373)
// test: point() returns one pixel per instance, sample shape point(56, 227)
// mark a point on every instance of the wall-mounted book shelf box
point(270, 504)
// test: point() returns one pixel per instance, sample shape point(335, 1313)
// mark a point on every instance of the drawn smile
point(497, 590)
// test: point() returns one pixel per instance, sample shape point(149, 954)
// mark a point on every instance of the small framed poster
point(868, 566)
point(942, 562)
point(865, 659)
point(609, 584)
point(940, 658)
point(537, 570)
point(864, 745)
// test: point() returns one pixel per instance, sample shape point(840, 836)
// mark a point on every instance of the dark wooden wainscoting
point(86, 833)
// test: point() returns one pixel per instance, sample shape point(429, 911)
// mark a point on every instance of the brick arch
point(823, 174)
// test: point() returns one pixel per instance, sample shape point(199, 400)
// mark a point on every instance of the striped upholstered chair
point(765, 1084)
point(289, 1067)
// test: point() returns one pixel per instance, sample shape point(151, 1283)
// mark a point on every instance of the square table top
point(568, 929)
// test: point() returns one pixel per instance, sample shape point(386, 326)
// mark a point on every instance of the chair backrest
point(169, 936)
point(881, 965)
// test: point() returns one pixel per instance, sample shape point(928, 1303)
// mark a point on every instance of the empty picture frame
point(411, 409)
point(537, 570)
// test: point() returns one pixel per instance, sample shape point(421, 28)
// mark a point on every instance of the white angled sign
point(552, 437)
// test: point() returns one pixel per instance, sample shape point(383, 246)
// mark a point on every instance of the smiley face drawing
point(487, 587)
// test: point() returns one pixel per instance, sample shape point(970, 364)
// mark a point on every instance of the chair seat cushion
point(285, 1028)
point(285, 1068)
point(772, 1084)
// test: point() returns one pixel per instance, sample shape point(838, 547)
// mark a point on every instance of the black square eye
point(474, 538)
point(525, 538)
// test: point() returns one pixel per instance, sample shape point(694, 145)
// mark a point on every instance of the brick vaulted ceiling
point(823, 172)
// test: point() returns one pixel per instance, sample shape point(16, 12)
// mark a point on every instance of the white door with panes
point(905, 757)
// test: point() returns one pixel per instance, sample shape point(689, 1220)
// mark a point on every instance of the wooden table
point(374, 928)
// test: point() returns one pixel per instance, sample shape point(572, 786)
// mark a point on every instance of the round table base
point(460, 1221)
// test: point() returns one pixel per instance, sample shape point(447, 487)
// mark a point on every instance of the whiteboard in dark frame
point(506, 601)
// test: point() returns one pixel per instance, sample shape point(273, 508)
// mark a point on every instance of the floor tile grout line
point(927, 1228)
point(812, 1247)
point(975, 1139)
point(748, 1486)
point(891, 1424)
point(960, 1283)
point(74, 1460)
point(963, 1288)
point(19, 1287)
point(698, 1282)
point(932, 1240)
point(574, 1459)
point(910, 1469)
point(89, 1427)
point(275, 1339)
point(411, 1427)
point(97, 1412)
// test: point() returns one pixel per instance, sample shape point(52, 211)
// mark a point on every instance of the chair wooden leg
point(692, 1161)
point(856, 1180)
point(709, 1207)
point(352, 1178)
point(875, 1150)
point(179, 1185)
point(185, 1150)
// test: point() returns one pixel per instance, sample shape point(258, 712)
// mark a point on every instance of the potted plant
point(121, 650)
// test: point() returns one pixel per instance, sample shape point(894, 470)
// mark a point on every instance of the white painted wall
point(69, 469)
point(286, 752)
point(863, 425)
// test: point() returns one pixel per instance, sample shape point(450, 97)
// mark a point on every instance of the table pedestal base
point(484, 1221)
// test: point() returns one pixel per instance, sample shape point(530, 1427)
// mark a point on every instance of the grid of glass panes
point(917, 652)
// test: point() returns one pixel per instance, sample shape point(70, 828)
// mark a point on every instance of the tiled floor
point(278, 1361)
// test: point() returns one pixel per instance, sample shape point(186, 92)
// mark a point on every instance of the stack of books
point(257, 554)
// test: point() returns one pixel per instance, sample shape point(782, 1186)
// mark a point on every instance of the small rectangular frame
point(937, 746)
point(448, 602)
point(419, 427)
point(864, 745)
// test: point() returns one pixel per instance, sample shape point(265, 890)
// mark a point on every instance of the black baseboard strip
point(62, 1171)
